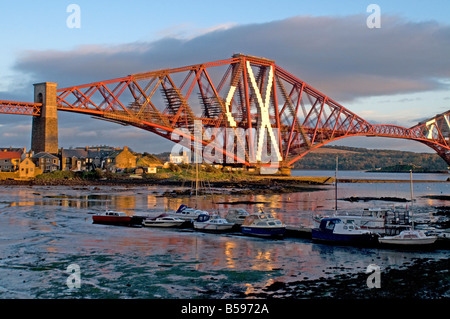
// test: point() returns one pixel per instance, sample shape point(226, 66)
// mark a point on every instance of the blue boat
point(263, 224)
point(334, 230)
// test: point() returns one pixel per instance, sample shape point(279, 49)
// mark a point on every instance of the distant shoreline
point(407, 171)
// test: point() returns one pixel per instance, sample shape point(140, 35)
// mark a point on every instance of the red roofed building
point(9, 161)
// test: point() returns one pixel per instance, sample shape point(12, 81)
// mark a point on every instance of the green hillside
point(352, 158)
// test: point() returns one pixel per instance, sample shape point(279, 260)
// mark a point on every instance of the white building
point(180, 159)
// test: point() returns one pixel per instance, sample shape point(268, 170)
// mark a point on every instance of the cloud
point(340, 56)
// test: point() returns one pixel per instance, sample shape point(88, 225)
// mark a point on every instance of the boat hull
point(263, 231)
point(112, 220)
point(407, 242)
point(163, 224)
point(349, 239)
point(212, 228)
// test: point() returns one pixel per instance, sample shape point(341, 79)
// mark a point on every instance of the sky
point(397, 74)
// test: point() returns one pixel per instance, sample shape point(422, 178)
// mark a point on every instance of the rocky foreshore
point(424, 279)
point(241, 185)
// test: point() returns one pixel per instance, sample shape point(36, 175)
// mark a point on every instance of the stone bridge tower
point(44, 135)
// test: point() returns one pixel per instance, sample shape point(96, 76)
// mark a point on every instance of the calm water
point(43, 230)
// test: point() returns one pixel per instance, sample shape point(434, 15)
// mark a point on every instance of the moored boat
point(263, 224)
point(188, 213)
point(111, 217)
point(237, 215)
point(163, 220)
point(408, 238)
point(367, 219)
point(411, 237)
point(212, 223)
point(335, 230)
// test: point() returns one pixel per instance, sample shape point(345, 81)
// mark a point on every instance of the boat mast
point(335, 184)
point(412, 199)
point(197, 148)
point(196, 178)
point(411, 182)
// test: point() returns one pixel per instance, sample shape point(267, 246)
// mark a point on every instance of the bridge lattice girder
point(22, 108)
point(263, 109)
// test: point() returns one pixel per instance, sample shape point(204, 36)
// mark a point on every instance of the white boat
point(237, 215)
point(263, 224)
point(188, 213)
point(412, 237)
point(408, 238)
point(163, 221)
point(366, 219)
point(212, 223)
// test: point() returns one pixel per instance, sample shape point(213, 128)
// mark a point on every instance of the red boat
point(112, 218)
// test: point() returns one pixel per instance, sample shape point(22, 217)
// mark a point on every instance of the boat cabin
point(114, 214)
point(328, 224)
point(332, 224)
point(261, 219)
point(203, 218)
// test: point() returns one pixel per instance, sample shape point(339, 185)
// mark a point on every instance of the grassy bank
point(186, 176)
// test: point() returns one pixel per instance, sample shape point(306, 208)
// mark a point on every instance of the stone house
point(46, 162)
point(85, 158)
point(121, 159)
point(74, 159)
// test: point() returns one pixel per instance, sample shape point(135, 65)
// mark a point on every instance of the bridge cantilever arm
point(21, 108)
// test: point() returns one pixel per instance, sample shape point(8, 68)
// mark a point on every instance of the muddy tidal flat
point(47, 230)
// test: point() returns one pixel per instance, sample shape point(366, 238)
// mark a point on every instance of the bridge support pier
point(44, 135)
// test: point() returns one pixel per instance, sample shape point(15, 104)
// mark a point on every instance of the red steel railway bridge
point(240, 110)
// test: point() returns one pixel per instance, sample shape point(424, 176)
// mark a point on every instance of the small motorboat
point(111, 217)
point(212, 223)
point(163, 220)
point(237, 215)
point(408, 238)
point(263, 224)
point(188, 213)
point(367, 219)
point(335, 230)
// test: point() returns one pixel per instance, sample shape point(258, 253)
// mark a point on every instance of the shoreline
point(234, 186)
point(267, 180)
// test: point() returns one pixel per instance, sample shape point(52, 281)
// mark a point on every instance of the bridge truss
point(241, 110)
